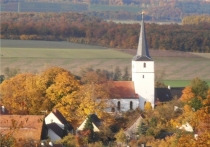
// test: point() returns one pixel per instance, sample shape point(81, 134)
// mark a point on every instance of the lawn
point(35, 56)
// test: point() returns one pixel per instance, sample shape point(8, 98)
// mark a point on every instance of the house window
point(131, 105)
point(144, 65)
point(118, 105)
point(51, 120)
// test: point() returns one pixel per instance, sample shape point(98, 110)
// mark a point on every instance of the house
point(24, 126)
point(131, 130)
point(187, 127)
point(57, 125)
point(95, 121)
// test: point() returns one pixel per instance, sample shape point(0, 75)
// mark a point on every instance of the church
point(129, 95)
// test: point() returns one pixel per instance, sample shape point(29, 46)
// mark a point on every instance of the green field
point(35, 56)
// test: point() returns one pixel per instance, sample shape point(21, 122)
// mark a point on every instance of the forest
point(79, 28)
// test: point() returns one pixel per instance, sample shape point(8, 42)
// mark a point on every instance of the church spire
point(142, 51)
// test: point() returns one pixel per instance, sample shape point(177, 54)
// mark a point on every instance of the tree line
point(78, 28)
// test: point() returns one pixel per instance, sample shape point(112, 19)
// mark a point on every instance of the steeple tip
point(142, 51)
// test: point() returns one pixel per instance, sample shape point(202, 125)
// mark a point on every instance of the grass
point(63, 53)
point(35, 56)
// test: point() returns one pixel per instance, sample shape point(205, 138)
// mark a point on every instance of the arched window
point(131, 105)
point(118, 105)
point(144, 65)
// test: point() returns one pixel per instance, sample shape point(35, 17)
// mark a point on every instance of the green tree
point(142, 128)
point(1, 78)
point(89, 126)
point(199, 88)
point(11, 72)
point(117, 74)
point(68, 141)
point(126, 75)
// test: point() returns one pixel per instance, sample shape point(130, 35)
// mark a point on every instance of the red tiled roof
point(123, 89)
point(31, 125)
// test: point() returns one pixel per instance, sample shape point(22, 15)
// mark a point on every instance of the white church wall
point(125, 104)
point(144, 81)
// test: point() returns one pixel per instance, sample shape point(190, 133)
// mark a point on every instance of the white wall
point(51, 118)
point(144, 81)
point(124, 104)
point(53, 136)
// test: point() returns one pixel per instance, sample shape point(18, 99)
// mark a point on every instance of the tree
point(1, 78)
point(147, 106)
point(199, 88)
point(11, 72)
point(89, 127)
point(117, 74)
point(126, 75)
point(142, 129)
point(68, 141)
point(120, 136)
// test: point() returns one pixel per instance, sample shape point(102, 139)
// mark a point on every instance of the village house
point(57, 125)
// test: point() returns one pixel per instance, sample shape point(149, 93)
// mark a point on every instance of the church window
point(131, 105)
point(144, 65)
point(118, 105)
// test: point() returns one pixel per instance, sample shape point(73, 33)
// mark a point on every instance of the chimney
point(50, 143)
point(169, 87)
point(3, 109)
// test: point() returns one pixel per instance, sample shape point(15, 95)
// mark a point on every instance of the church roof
point(123, 89)
point(142, 51)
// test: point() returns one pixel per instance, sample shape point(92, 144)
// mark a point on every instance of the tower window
point(131, 105)
point(144, 65)
point(143, 76)
point(118, 105)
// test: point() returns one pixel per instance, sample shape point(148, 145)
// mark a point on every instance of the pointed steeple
point(142, 51)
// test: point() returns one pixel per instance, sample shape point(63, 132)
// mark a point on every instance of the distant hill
point(155, 10)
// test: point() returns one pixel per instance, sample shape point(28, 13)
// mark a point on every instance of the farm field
point(174, 68)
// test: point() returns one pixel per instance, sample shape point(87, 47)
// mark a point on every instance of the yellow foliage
point(147, 106)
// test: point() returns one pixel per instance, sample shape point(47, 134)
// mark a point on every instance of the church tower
point(143, 71)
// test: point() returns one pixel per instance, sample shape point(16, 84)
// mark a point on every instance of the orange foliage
point(187, 94)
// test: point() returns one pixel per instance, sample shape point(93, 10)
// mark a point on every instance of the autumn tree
point(120, 136)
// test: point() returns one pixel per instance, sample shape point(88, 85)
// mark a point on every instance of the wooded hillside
point(84, 29)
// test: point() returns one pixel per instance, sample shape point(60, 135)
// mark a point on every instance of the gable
point(123, 89)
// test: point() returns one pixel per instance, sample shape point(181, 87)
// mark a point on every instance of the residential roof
point(95, 119)
point(27, 126)
point(165, 94)
point(55, 128)
point(123, 89)
point(142, 51)
point(62, 119)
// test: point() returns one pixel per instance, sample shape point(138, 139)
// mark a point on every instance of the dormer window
point(144, 65)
